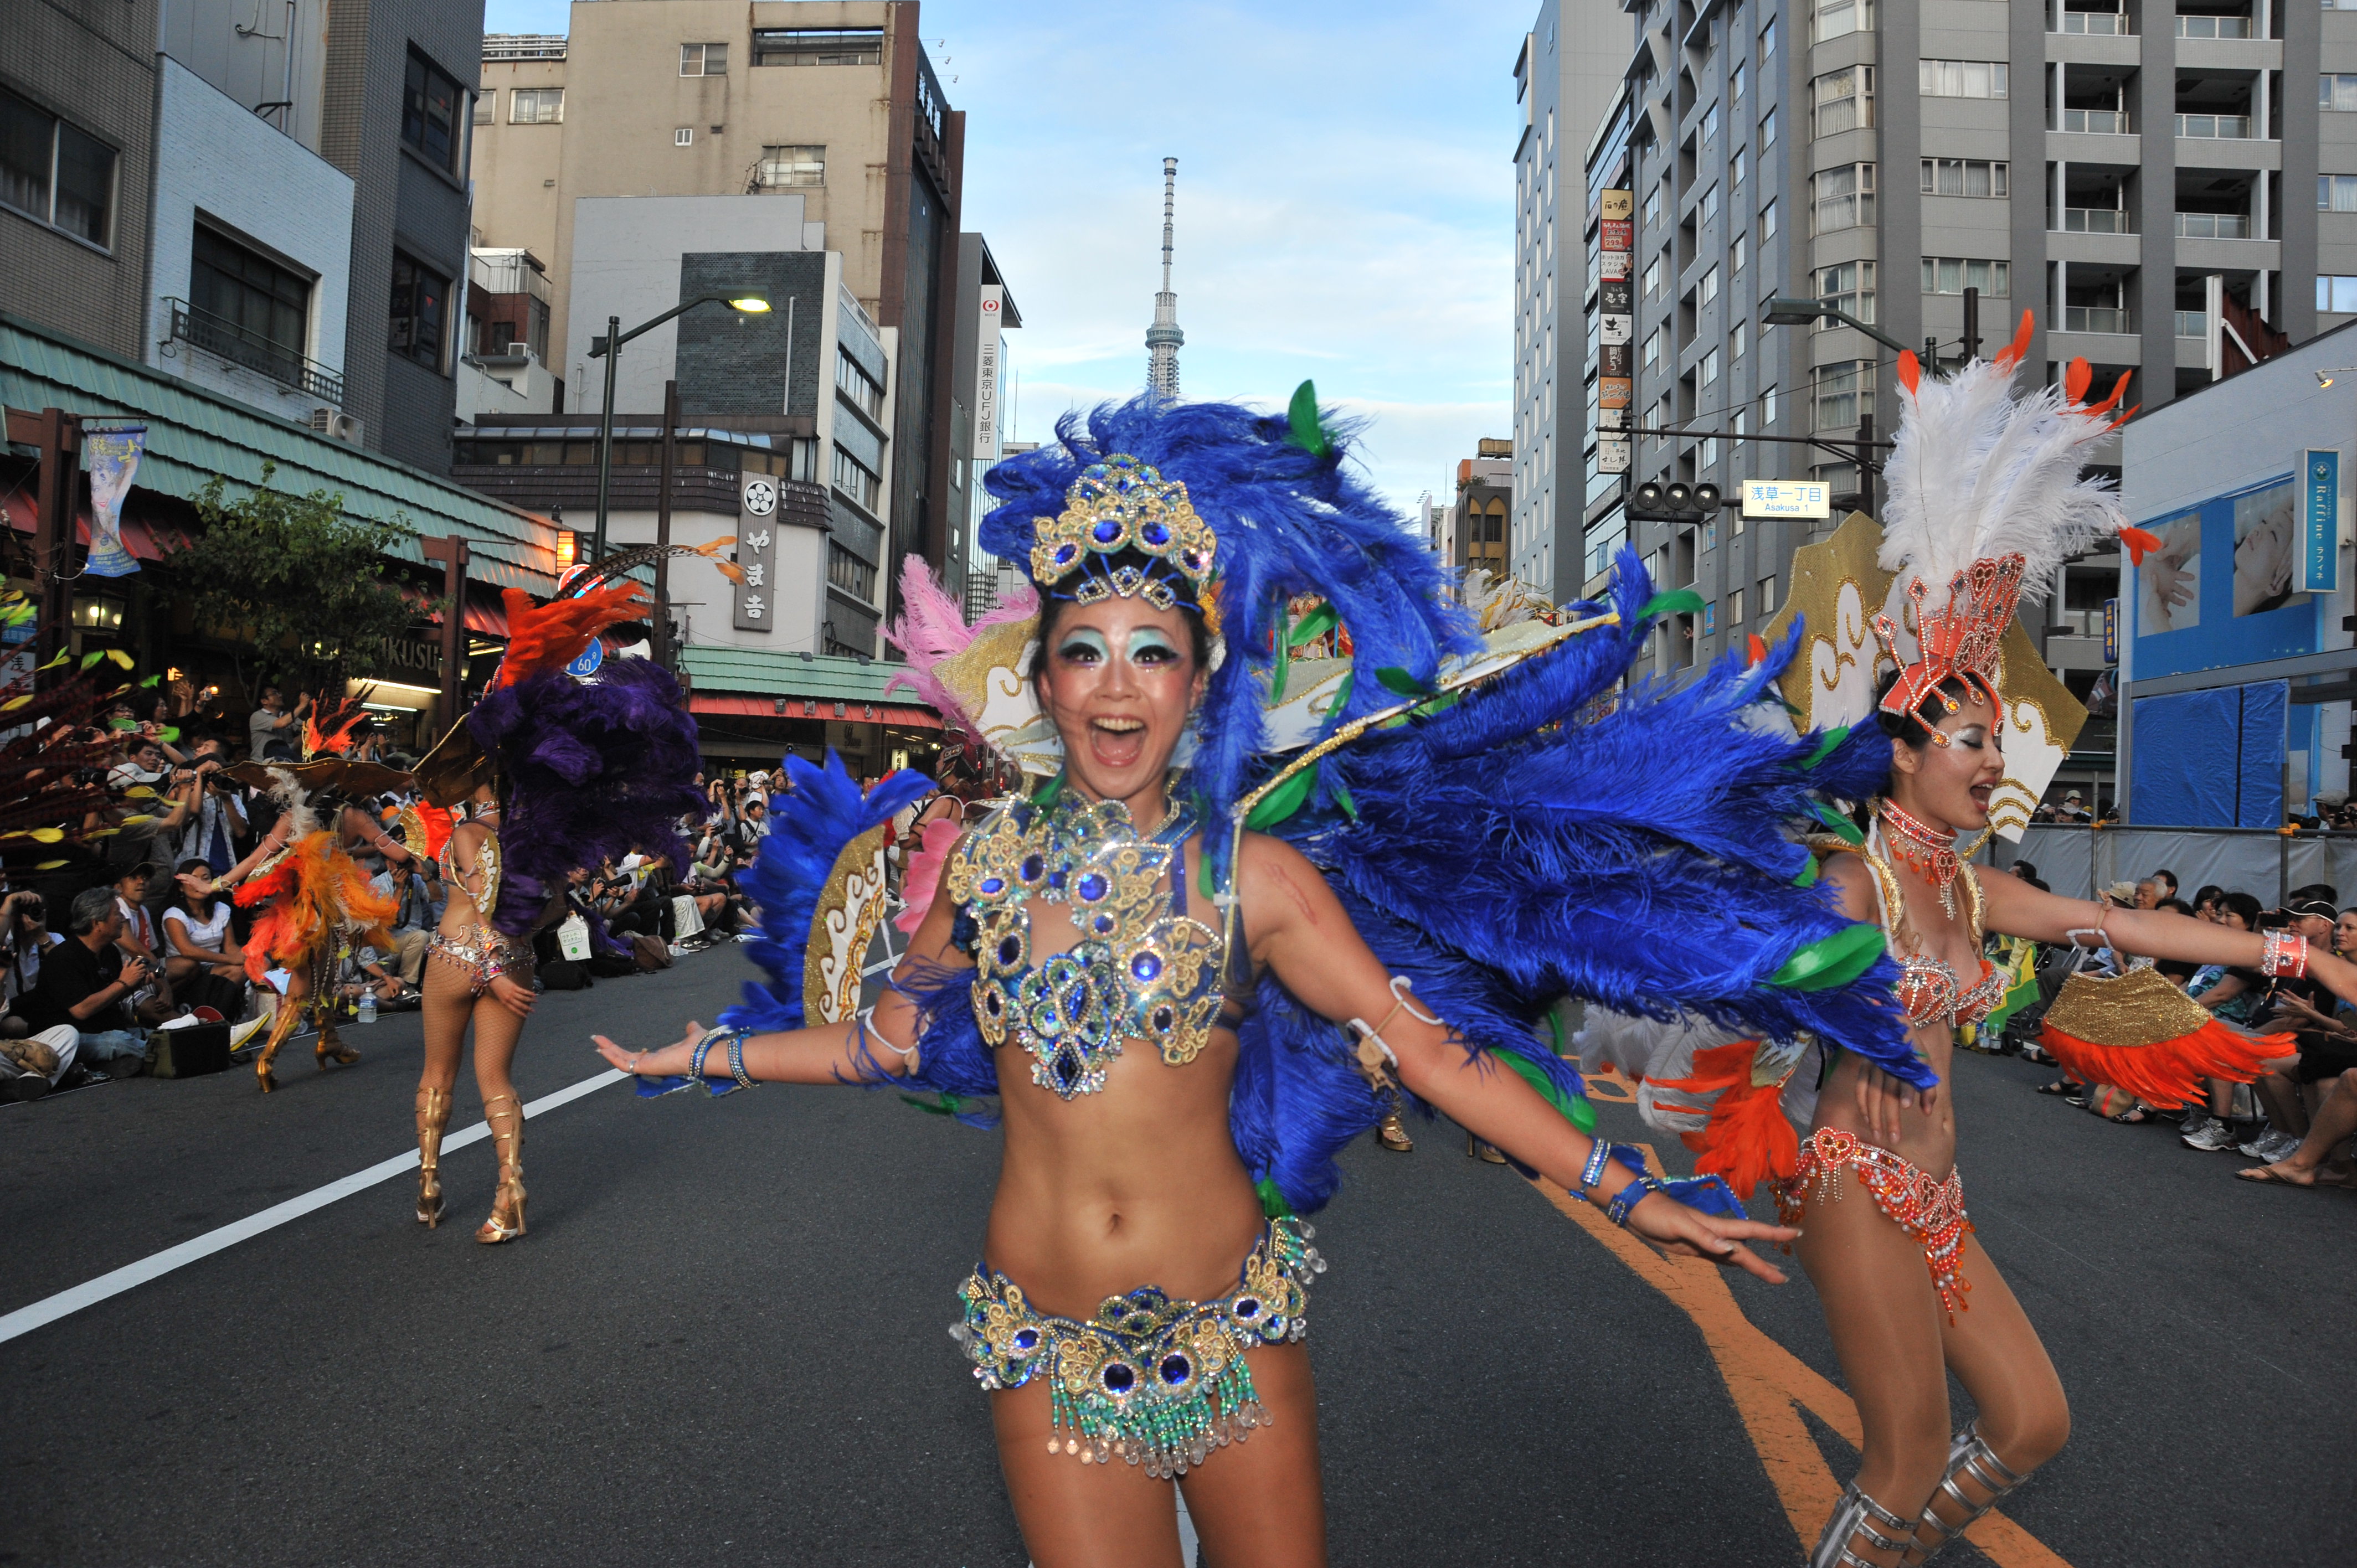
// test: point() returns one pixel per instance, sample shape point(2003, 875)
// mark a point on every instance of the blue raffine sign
point(2320, 523)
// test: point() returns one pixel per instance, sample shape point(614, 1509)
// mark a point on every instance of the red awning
point(483, 615)
point(147, 540)
point(814, 708)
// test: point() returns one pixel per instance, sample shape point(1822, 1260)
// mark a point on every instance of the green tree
point(291, 577)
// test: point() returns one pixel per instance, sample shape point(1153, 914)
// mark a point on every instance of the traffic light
point(1653, 501)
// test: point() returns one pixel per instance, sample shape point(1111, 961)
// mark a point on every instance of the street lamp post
point(1783, 311)
point(749, 304)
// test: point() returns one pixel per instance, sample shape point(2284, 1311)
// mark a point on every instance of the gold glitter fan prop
point(2140, 1033)
point(1836, 591)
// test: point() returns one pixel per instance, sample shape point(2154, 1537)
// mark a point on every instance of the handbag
point(572, 937)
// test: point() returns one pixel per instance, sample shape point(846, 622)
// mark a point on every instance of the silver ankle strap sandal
point(1968, 1455)
point(1857, 1514)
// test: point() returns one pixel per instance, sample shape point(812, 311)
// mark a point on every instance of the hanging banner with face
point(113, 458)
point(756, 553)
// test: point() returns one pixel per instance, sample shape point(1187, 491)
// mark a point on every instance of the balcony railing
point(2096, 318)
point(2105, 24)
point(2213, 225)
point(2097, 221)
point(2193, 324)
point(244, 347)
point(2213, 26)
point(2096, 122)
point(2231, 127)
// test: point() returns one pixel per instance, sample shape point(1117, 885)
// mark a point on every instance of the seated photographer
point(217, 823)
point(417, 900)
point(202, 957)
point(154, 1002)
point(86, 980)
point(25, 937)
point(628, 905)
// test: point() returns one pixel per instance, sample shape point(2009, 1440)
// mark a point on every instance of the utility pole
point(663, 519)
point(453, 553)
point(57, 498)
point(1972, 325)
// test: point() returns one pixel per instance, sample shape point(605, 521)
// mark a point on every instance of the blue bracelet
point(1629, 1196)
point(737, 1058)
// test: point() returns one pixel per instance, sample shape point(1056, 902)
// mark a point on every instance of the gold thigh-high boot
point(282, 1024)
point(432, 1115)
point(505, 1117)
point(331, 1044)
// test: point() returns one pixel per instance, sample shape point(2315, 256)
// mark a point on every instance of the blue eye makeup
point(1082, 642)
point(1151, 644)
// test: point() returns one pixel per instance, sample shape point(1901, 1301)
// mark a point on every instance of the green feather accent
point(1049, 791)
point(1272, 1201)
point(1826, 745)
point(1282, 801)
point(1395, 678)
point(1343, 798)
point(1808, 878)
point(1575, 1108)
point(938, 1104)
point(1840, 824)
point(1677, 601)
point(1314, 625)
point(1302, 414)
point(1832, 961)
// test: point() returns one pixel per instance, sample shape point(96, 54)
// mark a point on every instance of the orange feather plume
point(2170, 1074)
point(542, 638)
point(312, 891)
point(2138, 543)
point(2015, 350)
point(1911, 370)
point(1748, 1139)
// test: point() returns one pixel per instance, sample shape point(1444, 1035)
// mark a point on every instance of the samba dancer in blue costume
point(1182, 1021)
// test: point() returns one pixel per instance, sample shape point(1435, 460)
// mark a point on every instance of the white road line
point(24, 1319)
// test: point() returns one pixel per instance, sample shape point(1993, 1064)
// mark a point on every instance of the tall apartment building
point(1472, 529)
point(272, 206)
point(2137, 175)
point(1565, 74)
point(831, 107)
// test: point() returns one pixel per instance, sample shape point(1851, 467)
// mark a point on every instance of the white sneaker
point(2211, 1136)
point(2277, 1147)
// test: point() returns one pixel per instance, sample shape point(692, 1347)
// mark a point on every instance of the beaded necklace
point(1141, 968)
point(1924, 850)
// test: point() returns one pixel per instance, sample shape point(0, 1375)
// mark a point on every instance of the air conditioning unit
point(341, 426)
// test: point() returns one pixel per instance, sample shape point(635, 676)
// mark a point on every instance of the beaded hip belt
point(1932, 1212)
point(483, 957)
point(1155, 1381)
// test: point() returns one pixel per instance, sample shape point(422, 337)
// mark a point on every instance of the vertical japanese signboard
point(756, 553)
point(1616, 323)
point(985, 375)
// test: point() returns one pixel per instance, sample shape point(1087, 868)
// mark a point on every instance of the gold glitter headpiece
point(1118, 507)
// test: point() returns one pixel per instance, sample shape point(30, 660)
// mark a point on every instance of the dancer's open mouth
point(1117, 742)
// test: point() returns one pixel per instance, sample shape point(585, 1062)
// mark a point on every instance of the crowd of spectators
point(140, 930)
point(2298, 1118)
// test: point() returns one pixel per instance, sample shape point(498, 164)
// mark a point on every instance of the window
point(1709, 367)
point(1768, 406)
point(2336, 193)
point(1735, 609)
point(853, 480)
point(852, 378)
point(2337, 93)
point(1653, 277)
point(1652, 206)
point(849, 573)
point(1767, 40)
point(1735, 82)
point(429, 113)
point(1767, 595)
point(1842, 197)
point(1840, 387)
point(683, 137)
point(1951, 274)
point(1767, 222)
point(1710, 124)
point(703, 60)
point(1737, 342)
point(260, 307)
point(818, 46)
point(487, 107)
point(1738, 253)
point(536, 106)
point(2337, 294)
point(1653, 355)
point(419, 296)
point(793, 166)
point(1843, 99)
point(1964, 176)
point(1707, 208)
point(1768, 130)
point(1839, 18)
point(1710, 286)
point(54, 174)
point(1961, 78)
point(1739, 164)
point(1848, 288)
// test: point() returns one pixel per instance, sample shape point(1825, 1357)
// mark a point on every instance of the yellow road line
point(1771, 1386)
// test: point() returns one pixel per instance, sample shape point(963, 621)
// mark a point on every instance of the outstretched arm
point(827, 1053)
point(1299, 930)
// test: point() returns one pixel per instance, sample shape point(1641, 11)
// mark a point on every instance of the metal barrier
point(2080, 860)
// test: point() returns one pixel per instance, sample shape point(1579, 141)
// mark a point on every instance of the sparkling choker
point(1924, 850)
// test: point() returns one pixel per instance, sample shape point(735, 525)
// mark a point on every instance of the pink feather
point(924, 875)
point(931, 629)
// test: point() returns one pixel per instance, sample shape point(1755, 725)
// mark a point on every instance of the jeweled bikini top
point(1930, 991)
point(1141, 968)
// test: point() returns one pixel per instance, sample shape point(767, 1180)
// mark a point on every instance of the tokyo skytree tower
point(1162, 339)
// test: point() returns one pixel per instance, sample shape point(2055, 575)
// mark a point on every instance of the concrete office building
point(831, 106)
point(1565, 76)
point(2137, 176)
point(977, 430)
point(1472, 529)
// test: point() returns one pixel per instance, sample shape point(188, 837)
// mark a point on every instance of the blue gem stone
point(1106, 531)
point(1009, 948)
point(1067, 1068)
point(1156, 534)
point(1103, 925)
point(1092, 887)
point(994, 884)
point(1027, 1339)
point(1164, 1017)
point(1065, 554)
point(1145, 966)
point(1175, 1370)
point(1118, 1378)
point(1032, 867)
point(1246, 1307)
point(1275, 1326)
point(1056, 880)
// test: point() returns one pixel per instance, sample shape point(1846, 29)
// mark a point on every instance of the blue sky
point(1345, 201)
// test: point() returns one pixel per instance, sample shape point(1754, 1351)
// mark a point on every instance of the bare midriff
point(1927, 1139)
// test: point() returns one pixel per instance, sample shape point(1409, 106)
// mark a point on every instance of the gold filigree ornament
point(1838, 591)
point(1123, 504)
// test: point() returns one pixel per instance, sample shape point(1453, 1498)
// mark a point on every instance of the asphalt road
point(724, 1341)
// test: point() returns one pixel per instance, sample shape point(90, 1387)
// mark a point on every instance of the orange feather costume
point(310, 895)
